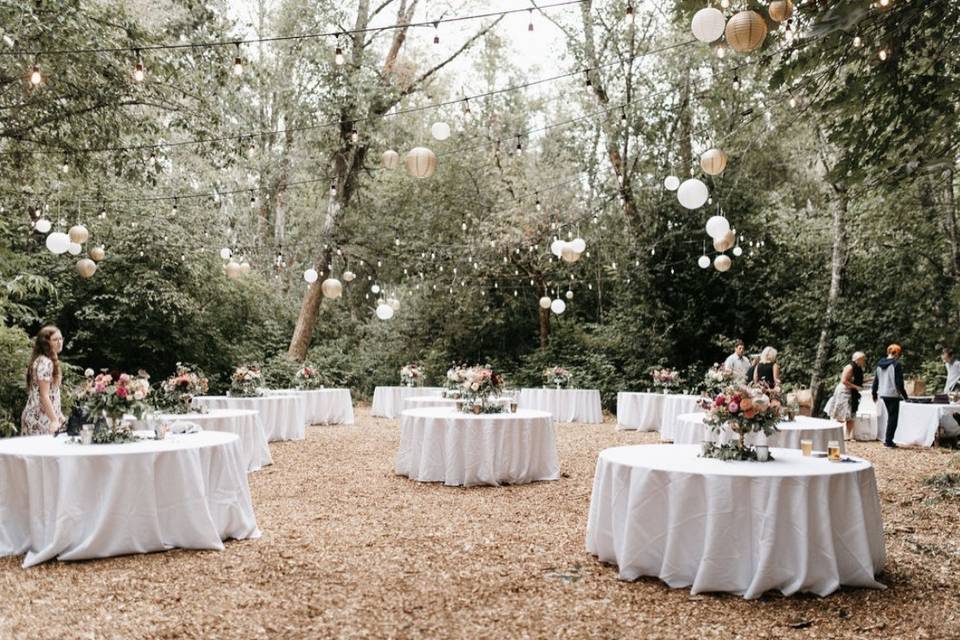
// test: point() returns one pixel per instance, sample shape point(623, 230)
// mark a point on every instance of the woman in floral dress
point(42, 413)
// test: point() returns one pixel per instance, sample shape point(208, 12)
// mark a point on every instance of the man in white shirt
point(738, 363)
point(953, 371)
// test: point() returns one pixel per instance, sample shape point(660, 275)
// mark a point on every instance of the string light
point(736, 82)
point(857, 42)
point(466, 106)
point(338, 58)
point(35, 76)
point(537, 204)
point(333, 190)
point(436, 32)
point(721, 51)
point(354, 135)
point(139, 73)
point(724, 4)
point(173, 210)
point(519, 146)
point(883, 54)
point(238, 63)
point(588, 85)
point(530, 25)
point(630, 16)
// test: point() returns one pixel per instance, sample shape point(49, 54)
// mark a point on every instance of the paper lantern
point(58, 242)
point(722, 262)
point(781, 10)
point(707, 24)
point(558, 306)
point(348, 276)
point(717, 227)
point(331, 288)
point(692, 194)
point(440, 130)
point(86, 267)
point(746, 31)
point(244, 267)
point(738, 251)
point(375, 288)
point(384, 311)
point(569, 295)
point(420, 162)
point(232, 269)
point(579, 245)
point(98, 253)
point(311, 275)
point(703, 262)
point(79, 234)
point(722, 243)
point(568, 254)
point(670, 183)
point(545, 302)
point(394, 304)
point(390, 159)
point(556, 247)
point(225, 253)
point(74, 249)
point(42, 225)
point(713, 162)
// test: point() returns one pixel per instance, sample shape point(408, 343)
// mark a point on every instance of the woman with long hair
point(42, 413)
point(845, 403)
point(768, 371)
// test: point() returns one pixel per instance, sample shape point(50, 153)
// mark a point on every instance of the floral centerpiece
point(453, 381)
point(410, 375)
point(107, 400)
point(245, 382)
point(717, 378)
point(479, 387)
point(556, 377)
point(665, 379)
point(176, 393)
point(745, 409)
point(307, 377)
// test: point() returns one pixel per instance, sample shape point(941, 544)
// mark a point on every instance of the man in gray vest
point(888, 384)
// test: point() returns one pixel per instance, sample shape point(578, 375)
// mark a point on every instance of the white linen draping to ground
point(74, 502)
point(284, 417)
point(692, 430)
point(919, 422)
point(423, 402)
point(653, 411)
point(443, 445)
point(388, 401)
point(566, 405)
point(793, 524)
point(868, 424)
point(322, 406)
point(245, 423)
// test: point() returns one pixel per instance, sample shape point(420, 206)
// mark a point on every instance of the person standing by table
point(738, 363)
point(888, 385)
point(43, 413)
point(845, 402)
point(768, 371)
point(953, 371)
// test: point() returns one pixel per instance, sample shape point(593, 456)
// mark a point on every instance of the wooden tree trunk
point(953, 237)
point(544, 317)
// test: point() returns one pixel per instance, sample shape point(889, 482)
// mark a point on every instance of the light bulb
point(857, 42)
point(538, 204)
point(530, 25)
point(333, 190)
point(35, 76)
point(519, 147)
point(793, 102)
point(630, 16)
point(736, 83)
point(883, 54)
point(721, 52)
point(724, 4)
point(237, 66)
point(354, 135)
point(338, 58)
point(138, 72)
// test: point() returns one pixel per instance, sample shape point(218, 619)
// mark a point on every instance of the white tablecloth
point(918, 422)
point(692, 430)
point(443, 445)
point(284, 417)
point(73, 502)
point(322, 406)
point(422, 402)
point(792, 524)
point(653, 411)
point(566, 405)
point(245, 423)
point(388, 401)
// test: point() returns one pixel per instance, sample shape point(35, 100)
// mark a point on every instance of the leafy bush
point(16, 347)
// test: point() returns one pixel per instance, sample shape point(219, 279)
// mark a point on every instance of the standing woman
point(845, 402)
point(42, 413)
point(768, 371)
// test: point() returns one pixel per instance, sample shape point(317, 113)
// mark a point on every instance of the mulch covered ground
point(351, 550)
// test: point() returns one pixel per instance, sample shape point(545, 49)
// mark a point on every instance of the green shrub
point(16, 347)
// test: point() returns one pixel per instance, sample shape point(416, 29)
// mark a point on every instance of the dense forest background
point(840, 182)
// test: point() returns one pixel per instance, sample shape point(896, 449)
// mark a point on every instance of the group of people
point(759, 369)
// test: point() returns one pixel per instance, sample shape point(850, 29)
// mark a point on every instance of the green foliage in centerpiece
point(665, 380)
point(411, 375)
point(745, 409)
point(480, 386)
point(176, 393)
point(557, 377)
point(101, 395)
point(246, 382)
point(308, 377)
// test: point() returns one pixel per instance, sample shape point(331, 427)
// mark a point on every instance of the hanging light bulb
point(139, 73)
point(238, 63)
point(588, 86)
point(537, 205)
point(793, 102)
point(333, 190)
point(724, 4)
point(721, 51)
point(173, 210)
point(466, 106)
point(736, 82)
point(35, 76)
point(354, 135)
point(519, 146)
point(623, 117)
point(883, 54)
point(857, 42)
point(630, 16)
point(253, 199)
point(338, 58)
point(530, 26)
point(788, 34)
point(436, 32)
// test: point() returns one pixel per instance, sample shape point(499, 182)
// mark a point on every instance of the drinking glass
point(833, 451)
point(806, 446)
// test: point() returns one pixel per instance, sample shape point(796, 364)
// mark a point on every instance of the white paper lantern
point(703, 262)
point(74, 248)
point(692, 194)
point(738, 251)
point(713, 162)
point(568, 254)
point(390, 159)
point(569, 295)
point(384, 311)
point(708, 24)
point(558, 306)
point(331, 288)
point(58, 242)
point(375, 288)
point(86, 267)
point(349, 276)
point(232, 269)
point(420, 162)
point(244, 267)
point(42, 225)
point(722, 262)
point(394, 304)
point(440, 130)
point(79, 234)
point(745, 31)
point(225, 253)
point(717, 227)
point(98, 253)
point(579, 245)
point(670, 183)
point(556, 247)
point(311, 275)
point(781, 10)
point(545, 302)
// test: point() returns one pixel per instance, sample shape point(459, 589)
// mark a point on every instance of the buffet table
point(653, 411)
point(919, 422)
point(566, 405)
point(284, 417)
point(692, 430)
point(795, 524)
point(74, 502)
point(245, 423)
point(443, 445)
point(388, 401)
point(322, 406)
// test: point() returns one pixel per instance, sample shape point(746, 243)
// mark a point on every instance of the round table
point(566, 405)
point(245, 423)
point(444, 445)
point(322, 406)
point(653, 411)
point(284, 417)
point(793, 524)
point(422, 402)
point(388, 401)
point(692, 430)
point(71, 502)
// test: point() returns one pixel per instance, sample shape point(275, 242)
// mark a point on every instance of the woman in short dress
point(845, 403)
point(42, 413)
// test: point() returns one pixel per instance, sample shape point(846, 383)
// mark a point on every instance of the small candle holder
point(763, 452)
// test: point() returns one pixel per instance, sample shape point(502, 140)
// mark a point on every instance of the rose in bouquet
point(453, 381)
point(745, 409)
point(307, 377)
point(480, 386)
point(176, 393)
point(556, 377)
point(717, 379)
point(665, 379)
point(245, 382)
point(410, 375)
point(107, 400)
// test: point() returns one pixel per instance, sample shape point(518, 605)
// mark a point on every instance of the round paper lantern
point(311, 275)
point(722, 262)
point(738, 251)
point(79, 234)
point(746, 31)
point(225, 253)
point(568, 254)
point(384, 311)
point(440, 130)
point(348, 276)
point(420, 162)
point(569, 295)
point(721, 244)
point(244, 267)
point(58, 242)
point(692, 193)
point(670, 183)
point(707, 24)
point(781, 10)
point(579, 245)
point(98, 253)
point(558, 306)
point(713, 162)
point(42, 225)
point(390, 159)
point(331, 288)
point(394, 304)
point(232, 269)
point(717, 227)
point(703, 262)
point(74, 248)
point(545, 302)
point(86, 267)
point(375, 288)
point(556, 247)
point(731, 237)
